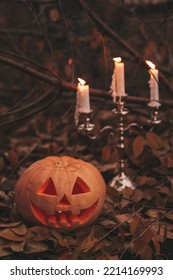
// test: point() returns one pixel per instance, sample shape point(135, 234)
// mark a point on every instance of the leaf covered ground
point(134, 224)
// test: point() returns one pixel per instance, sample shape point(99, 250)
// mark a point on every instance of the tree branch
point(67, 86)
point(144, 231)
point(28, 70)
point(30, 105)
point(37, 110)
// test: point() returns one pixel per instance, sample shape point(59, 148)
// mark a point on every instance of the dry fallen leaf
point(32, 247)
point(9, 224)
point(154, 140)
point(40, 233)
point(18, 247)
point(5, 252)
point(84, 246)
point(122, 218)
point(20, 229)
point(138, 145)
point(10, 235)
point(134, 224)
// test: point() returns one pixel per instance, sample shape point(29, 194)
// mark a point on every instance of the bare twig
point(31, 71)
point(22, 160)
point(119, 197)
point(143, 232)
point(54, 79)
point(33, 112)
point(69, 36)
point(29, 105)
point(116, 227)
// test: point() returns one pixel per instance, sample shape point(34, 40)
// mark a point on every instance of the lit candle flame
point(150, 64)
point(117, 59)
point(82, 82)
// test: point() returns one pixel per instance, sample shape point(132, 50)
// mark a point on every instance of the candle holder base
point(121, 181)
point(154, 121)
point(154, 114)
point(84, 128)
point(119, 102)
point(123, 112)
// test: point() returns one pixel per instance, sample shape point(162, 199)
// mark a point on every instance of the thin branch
point(66, 86)
point(117, 226)
point(69, 37)
point(142, 233)
point(22, 160)
point(30, 7)
point(29, 105)
point(138, 203)
point(33, 112)
point(28, 70)
point(4, 31)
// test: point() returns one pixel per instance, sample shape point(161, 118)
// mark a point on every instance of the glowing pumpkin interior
point(63, 218)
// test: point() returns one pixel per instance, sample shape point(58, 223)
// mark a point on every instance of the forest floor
point(133, 224)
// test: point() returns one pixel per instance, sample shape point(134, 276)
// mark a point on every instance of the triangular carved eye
point(80, 187)
point(48, 188)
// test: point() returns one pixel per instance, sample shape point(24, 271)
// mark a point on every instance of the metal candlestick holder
point(121, 180)
point(85, 127)
point(154, 112)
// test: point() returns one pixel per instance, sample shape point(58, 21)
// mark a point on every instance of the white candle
point(119, 77)
point(153, 83)
point(83, 97)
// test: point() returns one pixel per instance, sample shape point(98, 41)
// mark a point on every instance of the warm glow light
point(117, 59)
point(150, 64)
point(82, 82)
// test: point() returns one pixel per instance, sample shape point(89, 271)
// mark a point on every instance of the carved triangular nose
point(64, 201)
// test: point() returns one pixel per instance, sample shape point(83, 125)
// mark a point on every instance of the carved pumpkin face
point(60, 192)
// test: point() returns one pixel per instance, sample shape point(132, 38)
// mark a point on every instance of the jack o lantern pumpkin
point(60, 192)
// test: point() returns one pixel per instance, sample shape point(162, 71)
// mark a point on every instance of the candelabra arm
point(154, 119)
point(108, 129)
point(135, 125)
point(85, 127)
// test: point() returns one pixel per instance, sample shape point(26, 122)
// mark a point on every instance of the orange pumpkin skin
point(60, 192)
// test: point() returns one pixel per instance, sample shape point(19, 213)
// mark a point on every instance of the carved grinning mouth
point(63, 219)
